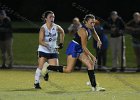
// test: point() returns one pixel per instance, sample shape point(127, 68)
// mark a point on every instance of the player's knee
point(94, 60)
point(40, 67)
point(90, 66)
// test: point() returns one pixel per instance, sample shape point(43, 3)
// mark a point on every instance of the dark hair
point(46, 13)
point(87, 17)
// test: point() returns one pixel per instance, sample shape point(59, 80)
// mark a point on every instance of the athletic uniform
point(48, 52)
point(75, 47)
point(50, 38)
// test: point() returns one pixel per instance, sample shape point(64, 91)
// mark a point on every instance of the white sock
point(37, 75)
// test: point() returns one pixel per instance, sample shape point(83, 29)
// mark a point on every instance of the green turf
point(17, 85)
point(25, 49)
point(25, 46)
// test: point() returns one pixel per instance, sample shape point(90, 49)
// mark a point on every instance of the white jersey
point(50, 38)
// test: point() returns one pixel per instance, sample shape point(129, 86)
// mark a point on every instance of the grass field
point(25, 46)
point(18, 85)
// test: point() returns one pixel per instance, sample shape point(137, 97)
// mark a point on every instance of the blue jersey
point(74, 48)
point(77, 38)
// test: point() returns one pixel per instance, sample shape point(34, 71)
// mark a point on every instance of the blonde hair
point(87, 17)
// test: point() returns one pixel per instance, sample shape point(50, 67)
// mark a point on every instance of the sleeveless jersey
point(77, 38)
point(50, 38)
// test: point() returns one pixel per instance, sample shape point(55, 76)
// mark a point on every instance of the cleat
point(97, 88)
point(44, 69)
point(46, 77)
point(37, 86)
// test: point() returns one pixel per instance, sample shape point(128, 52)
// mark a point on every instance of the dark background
point(64, 11)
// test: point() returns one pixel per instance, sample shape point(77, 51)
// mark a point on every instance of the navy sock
point(55, 68)
point(92, 78)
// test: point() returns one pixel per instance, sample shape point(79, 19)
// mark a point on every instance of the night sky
point(64, 11)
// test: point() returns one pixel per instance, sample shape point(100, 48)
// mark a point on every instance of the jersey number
point(50, 39)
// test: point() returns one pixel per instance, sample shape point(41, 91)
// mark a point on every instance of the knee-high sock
point(92, 78)
point(55, 68)
point(37, 75)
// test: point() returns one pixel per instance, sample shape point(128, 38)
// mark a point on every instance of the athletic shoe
point(46, 77)
point(44, 69)
point(97, 88)
point(37, 86)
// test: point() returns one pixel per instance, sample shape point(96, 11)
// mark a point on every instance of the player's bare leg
point(90, 65)
point(70, 64)
point(66, 69)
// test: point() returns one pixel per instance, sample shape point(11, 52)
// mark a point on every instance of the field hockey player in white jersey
point(47, 49)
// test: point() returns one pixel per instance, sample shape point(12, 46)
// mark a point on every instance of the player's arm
point(83, 34)
point(96, 37)
point(41, 37)
point(62, 35)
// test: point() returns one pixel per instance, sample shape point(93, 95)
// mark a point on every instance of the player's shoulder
point(56, 25)
point(43, 26)
point(82, 31)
